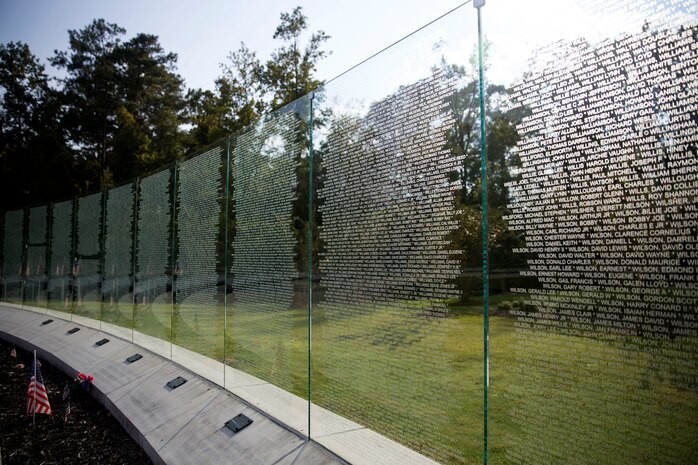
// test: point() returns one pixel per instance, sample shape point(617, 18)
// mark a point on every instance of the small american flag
point(66, 403)
point(66, 410)
point(37, 399)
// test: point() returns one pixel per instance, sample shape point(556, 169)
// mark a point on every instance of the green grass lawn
point(553, 398)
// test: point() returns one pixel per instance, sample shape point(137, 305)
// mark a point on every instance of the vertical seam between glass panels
point(485, 287)
point(225, 259)
point(310, 246)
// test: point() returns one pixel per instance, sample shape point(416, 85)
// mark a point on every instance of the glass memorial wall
point(339, 264)
point(267, 306)
point(2, 251)
point(198, 276)
point(87, 266)
point(13, 256)
point(60, 262)
point(396, 346)
point(152, 244)
point(36, 282)
point(117, 260)
point(592, 130)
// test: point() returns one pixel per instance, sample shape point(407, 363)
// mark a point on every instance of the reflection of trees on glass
point(88, 258)
point(197, 320)
point(13, 226)
point(385, 268)
point(61, 252)
point(263, 268)
point(153, 255)
point(117, 300)
point(607, 152)
point(463, 140)
point(385, 186)
point(606, 199)
point(36, 256)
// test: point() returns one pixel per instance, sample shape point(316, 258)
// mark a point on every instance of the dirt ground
point(90, 435)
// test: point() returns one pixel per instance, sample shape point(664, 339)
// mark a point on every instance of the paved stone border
point(180, 426)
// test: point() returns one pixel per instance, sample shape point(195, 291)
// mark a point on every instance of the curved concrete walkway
point(174, 426)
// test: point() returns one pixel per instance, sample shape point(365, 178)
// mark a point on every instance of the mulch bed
point(90, 435)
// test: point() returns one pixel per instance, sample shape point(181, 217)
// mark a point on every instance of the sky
point(203, 33)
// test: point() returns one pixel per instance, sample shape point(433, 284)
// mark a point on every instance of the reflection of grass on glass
point(118, 312)
point(34, 296)
point(270, 345)
point(194, 327)
point(13, 290)
point(89, 308)
point(559, 397)
point(59, 294)
point(416, 380)
point(553, 397)
point(154, 320)
point(199, 328)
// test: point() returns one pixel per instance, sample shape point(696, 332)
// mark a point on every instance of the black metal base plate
point(134, 358)
point(177, 382)
point(238, 423)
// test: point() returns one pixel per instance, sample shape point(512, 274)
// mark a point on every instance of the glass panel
point(2, 259)
point(267, 319)
point(37, 248)
point(87, 267)
point(593, 172)
point(12, 256)
point(61, 256)
point(117, 295)
point(153, 289)
point(397, 323)
point(198, 318)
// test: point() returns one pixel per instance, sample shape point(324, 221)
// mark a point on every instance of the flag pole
point(34, 392)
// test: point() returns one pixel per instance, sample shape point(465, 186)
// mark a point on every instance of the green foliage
point(249, 88)
point(34, 162)
point(463, 140)
point(206, 114)
point(24, 85)
point(124, 102)
point(289, 72)
point(89, 90)
point(120, 109)
point(131, 145)
point(236, 102)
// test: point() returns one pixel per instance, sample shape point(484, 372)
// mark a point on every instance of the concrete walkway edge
point(185, 425)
